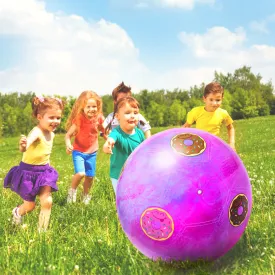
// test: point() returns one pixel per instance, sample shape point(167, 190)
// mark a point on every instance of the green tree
point(176, 113)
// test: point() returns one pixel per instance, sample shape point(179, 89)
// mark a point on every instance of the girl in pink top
point(84, 123)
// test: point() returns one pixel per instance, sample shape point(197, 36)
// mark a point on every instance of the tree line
point(245, 96)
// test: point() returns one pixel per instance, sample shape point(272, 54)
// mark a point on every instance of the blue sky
point(65, 46)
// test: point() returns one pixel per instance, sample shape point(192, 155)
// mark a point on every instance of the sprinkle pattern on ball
point(188, 144)
point(157, 224)
point(238, 210)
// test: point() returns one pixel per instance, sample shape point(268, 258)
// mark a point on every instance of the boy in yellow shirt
point(210, 117)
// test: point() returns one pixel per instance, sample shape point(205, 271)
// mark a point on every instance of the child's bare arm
point(108, 146)
point(68, 136)
point(147, 134)
point(231, 136)
point(25, 142)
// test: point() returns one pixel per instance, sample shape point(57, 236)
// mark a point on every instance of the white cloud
point(262, 26)
point(222, 48)
point(182, 4)
point(215, 39)
point(64, 53)
point(259, 26)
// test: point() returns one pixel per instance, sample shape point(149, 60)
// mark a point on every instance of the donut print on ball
point(157, 224)
point(238, 210)
point(188, 144)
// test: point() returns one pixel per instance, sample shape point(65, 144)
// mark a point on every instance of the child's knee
point(47, 202)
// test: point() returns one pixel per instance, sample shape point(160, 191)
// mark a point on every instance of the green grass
point(89, 239)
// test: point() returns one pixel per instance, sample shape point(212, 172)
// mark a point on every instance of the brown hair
point(213, 87)
point(79, 105)
point(122, 102)
point(121, 88)
point(40, 105)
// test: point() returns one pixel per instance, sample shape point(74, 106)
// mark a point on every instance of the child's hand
point(23, 143)
point(69, 149)
point(108, 146)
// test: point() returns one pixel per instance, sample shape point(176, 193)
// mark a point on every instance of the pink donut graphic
point(157, 224)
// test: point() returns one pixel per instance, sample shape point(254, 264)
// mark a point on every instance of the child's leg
point(86, 189)
point(46, 201)
point(88, 182)
point(22, 210)
point(25, 208)
point(72, 191)
point(77, 179)
point(79, 169)
point(90, 166)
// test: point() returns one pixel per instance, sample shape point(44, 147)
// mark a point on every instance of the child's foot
point(86, 199)
point(16, 217)
point(71, 195)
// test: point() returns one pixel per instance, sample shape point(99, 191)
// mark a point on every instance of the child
point(84, 122)
point(124, 138)
point(210, 117)
point(34, 176)
point(123, 91)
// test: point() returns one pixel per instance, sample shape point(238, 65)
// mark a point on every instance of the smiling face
point(212, 101)
point(50, 120)
point(90, 108)
point(127, 117)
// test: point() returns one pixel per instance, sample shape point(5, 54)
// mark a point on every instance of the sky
point(63, 47)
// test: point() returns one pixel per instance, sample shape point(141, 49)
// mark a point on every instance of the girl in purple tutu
point(34, 176)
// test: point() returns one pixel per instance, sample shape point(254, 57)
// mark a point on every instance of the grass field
point(89, 239)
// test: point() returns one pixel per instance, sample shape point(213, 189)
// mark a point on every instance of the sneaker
point(86, 199)
point(16, 218)
point(71, 195)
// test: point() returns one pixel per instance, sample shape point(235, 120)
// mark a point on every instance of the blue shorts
point(84, 163)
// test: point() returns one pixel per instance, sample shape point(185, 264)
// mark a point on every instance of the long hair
point(41, 104)
point(122, 102)
point(79, 105)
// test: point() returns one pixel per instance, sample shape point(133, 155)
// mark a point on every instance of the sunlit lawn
point(89, 240)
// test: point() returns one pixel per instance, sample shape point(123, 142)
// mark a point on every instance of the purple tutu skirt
point(26, 179)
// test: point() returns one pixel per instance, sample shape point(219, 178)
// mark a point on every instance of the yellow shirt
point(209, 121)
point(39, 151)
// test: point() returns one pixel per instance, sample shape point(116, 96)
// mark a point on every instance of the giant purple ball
point(184, 194)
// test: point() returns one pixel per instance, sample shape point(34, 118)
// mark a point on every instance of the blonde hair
point(41, 104)
point(79, 105)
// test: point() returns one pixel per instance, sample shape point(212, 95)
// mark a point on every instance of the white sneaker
point(71, 195)
point(86, 199)
point(16, 218)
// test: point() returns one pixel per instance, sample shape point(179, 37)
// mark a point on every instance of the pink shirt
point(86, 139)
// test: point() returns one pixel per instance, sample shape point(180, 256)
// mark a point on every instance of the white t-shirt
point(115, 122)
